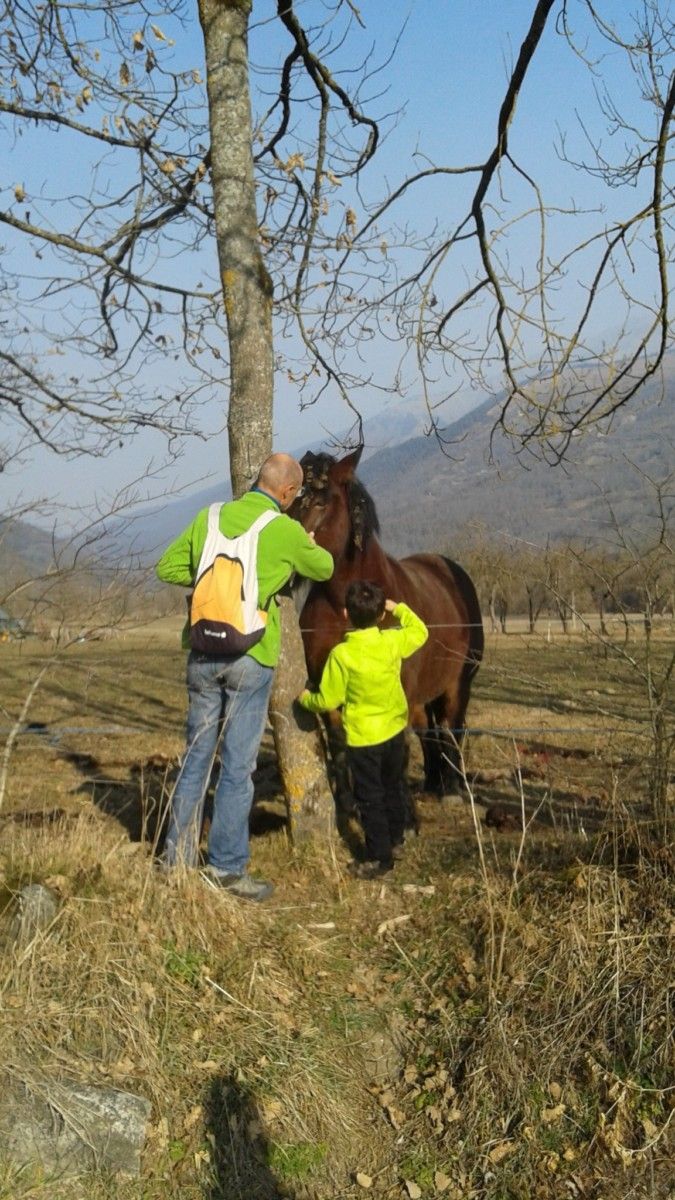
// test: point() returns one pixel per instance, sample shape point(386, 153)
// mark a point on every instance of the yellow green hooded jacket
point(362, 676)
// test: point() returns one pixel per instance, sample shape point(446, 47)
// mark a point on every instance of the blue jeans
point(227, 703)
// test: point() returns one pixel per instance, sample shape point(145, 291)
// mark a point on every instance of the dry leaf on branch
point(651, 1130)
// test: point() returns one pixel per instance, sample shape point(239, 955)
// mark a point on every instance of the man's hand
point(310, 535)
point(390, 605)
point(303, 693)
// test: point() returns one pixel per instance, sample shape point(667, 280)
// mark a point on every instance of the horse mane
point(362, 512)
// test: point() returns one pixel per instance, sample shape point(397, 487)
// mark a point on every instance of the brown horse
point(437, 679)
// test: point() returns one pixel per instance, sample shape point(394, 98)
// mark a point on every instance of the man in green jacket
point(362, 676)
point(228, 696)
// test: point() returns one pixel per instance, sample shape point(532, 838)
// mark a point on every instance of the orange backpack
point(224, 615)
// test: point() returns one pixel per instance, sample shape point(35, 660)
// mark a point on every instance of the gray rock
point(70, 1128)
point(35, 910)
point(381, 1057)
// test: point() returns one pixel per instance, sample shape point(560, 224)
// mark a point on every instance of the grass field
point(496, 1021)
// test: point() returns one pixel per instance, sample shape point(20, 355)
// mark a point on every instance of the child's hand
point(390, 605)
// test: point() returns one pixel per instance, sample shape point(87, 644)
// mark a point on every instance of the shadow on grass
point(240, 1150)
point(140, 802)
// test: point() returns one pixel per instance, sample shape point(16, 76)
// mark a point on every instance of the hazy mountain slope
point(26, 549)
point(424, 496)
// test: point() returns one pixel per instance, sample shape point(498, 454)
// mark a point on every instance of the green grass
point(294, 1162)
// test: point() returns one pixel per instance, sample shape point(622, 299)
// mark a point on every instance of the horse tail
point(475, 618)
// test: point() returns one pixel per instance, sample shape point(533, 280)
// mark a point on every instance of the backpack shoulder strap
point(261, 521)
point(213, 519)
point(211, 541)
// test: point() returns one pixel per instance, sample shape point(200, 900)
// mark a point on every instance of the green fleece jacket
point(283, 549)
point(362, 676)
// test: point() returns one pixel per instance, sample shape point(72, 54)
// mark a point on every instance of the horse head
point(335, 506)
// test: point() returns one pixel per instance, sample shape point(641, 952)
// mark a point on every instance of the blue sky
point(448, 77)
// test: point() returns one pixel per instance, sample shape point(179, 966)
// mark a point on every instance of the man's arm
point(413, 632)
point(332, 689)
point(310, 560)
point(177, 564)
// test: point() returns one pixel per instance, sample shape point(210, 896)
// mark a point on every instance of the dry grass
point(495, 1022)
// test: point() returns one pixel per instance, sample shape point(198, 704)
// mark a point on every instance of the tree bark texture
point(300, 753)
point(247, 287)
point(247, 294)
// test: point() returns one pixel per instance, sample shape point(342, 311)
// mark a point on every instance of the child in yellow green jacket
point(362, 676)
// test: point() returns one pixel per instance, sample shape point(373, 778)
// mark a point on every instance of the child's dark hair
point(364, 602)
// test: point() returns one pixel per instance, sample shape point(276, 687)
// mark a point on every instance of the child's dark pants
point(380, 794)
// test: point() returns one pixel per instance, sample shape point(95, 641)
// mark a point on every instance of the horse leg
point(427, 731)
point(450, 711)
point(452, 762)
point(442, 746)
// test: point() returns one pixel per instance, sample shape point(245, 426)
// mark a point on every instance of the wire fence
point(69, 740)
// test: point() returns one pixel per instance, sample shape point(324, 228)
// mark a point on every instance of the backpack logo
point(224, 615)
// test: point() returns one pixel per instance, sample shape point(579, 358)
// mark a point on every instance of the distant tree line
point(560, 582)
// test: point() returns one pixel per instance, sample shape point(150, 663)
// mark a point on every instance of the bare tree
point(202, 219)
point(60, 591)
point(184, 160)
point(183, 174)
point(513, 295)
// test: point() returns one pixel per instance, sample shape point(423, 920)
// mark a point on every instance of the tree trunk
point(247, 295)
point(601, 613)
point(532, 620)
point(247, 287)
point(493, 613)
point(300, 752)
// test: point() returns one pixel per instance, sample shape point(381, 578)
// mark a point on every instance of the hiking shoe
point(370, 870)
point(243, 886)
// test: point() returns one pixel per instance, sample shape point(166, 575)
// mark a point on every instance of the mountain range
point(428, 496)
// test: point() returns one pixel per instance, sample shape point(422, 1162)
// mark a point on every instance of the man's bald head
point(281, 477)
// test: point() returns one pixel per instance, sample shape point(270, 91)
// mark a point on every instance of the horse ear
point(343, 471)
